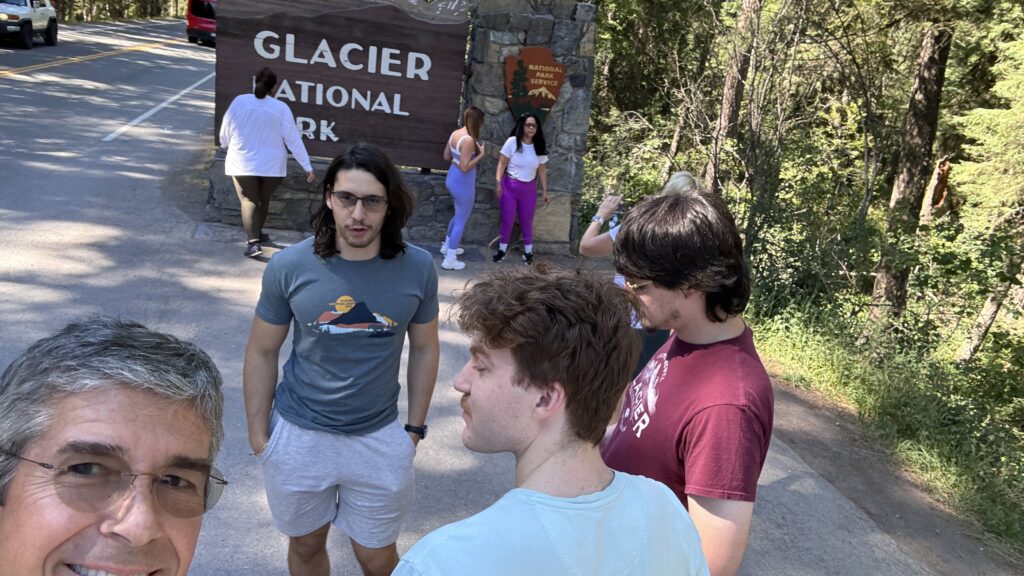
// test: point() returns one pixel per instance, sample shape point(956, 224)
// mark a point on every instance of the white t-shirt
point(255, 132)
point(634, 526)
point(522, 165)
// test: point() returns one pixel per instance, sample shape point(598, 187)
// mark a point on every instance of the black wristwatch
point(421, 431)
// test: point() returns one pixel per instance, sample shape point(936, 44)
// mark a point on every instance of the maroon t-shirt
point(697, 418)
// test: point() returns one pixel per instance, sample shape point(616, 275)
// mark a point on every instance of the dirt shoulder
point(836, 446)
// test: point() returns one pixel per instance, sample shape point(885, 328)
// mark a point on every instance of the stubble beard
point(353, 243)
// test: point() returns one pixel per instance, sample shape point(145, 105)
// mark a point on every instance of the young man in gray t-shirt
point(328, 438)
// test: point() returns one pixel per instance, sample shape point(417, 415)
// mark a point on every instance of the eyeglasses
point(370, 203)
point(92, 487)
point(638, 286)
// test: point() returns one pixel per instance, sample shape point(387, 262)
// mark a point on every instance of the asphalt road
point(101, 196)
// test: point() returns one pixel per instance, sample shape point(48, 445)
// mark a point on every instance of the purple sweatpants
point(517, 197)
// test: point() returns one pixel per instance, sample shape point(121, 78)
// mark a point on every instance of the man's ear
point(551, 400)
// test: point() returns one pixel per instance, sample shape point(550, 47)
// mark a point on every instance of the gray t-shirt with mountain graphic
point(349, 320)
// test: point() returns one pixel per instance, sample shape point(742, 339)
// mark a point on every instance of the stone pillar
point(502, 28)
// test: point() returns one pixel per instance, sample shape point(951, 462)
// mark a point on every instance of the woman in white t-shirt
point(255, 130)
point(523, 161)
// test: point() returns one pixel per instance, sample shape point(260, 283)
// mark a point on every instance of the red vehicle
point(202, 22)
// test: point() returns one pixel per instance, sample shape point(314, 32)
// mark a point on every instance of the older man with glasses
point(350, 294)
point(108, 432)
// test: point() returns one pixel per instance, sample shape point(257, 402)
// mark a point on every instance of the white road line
point(154, 110)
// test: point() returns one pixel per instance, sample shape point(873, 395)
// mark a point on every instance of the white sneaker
point(444, 250)
point(452, 264)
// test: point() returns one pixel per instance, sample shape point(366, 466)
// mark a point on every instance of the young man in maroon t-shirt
point(699, 416)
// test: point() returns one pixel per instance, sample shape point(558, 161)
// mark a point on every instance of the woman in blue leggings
point(464, 152)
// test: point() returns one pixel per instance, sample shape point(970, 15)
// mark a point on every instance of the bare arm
point(447, 150)
point(502, 166)
point(593, 242)
point(466, 149)
point(259, 378)
point(542, 175)
point(424, 355)
point(724, 526)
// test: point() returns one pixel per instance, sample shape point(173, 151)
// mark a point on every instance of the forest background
point(872, 153)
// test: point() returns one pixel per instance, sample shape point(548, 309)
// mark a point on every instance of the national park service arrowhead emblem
point(533, 81)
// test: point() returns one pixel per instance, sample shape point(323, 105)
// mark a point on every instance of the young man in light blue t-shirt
point(550, 356)
point(328, 436)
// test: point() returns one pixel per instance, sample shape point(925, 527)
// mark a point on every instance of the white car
point(24, 19)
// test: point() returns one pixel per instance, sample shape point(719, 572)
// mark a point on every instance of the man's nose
point(460, 382)
point(136, 516)
point(358, 211)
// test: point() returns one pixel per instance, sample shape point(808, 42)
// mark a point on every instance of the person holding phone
point(594, 244)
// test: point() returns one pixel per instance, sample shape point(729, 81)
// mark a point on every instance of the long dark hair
point(538, 138)
point(687, 240)
point(265, 82)
point(368, 158)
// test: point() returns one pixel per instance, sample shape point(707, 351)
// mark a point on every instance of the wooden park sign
point(533, 81)
point(350, 71)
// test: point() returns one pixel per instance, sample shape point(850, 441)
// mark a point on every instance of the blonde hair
point(681, 183)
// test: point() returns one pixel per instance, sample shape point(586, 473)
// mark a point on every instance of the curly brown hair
point(569, 327)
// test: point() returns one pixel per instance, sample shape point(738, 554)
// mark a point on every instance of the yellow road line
point(35, 67)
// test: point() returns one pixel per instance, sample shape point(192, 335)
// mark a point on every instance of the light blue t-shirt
point(635, 526)
point(349, 320)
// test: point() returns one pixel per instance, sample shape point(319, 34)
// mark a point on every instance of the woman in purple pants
point(464, 152)
point(522, 162)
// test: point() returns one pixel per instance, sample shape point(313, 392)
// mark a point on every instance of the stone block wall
point(500, 28)
point(295, 200)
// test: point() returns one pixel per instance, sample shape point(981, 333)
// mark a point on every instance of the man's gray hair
point(98, 354)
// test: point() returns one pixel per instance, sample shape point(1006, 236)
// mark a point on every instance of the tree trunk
point(990, 310)
point(981, 326)
point(732, 94)
point(889, 297)
point(673, 149)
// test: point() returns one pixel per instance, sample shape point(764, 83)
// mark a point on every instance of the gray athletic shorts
point(361, 484)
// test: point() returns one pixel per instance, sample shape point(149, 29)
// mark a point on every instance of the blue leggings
point(462, 186)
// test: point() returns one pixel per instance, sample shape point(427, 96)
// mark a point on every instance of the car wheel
point(51, 34)
point(25, 40)
point(193, 39)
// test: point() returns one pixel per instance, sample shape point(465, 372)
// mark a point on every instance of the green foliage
point(962, 429)
point(809, 176)
point(618, 165)
point(652, 47)
point(92, 10)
